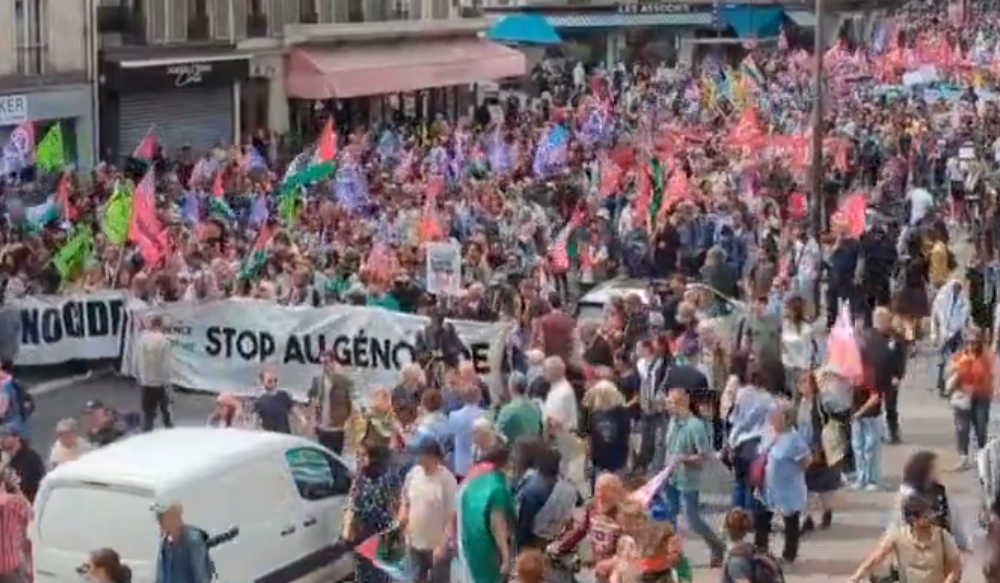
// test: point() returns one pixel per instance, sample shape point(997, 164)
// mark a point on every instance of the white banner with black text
point(223, 346)
point(56, 329)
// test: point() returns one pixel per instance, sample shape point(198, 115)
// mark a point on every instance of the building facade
point(45, 63)
point(206, 72)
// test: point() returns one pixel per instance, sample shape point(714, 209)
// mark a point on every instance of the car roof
point(163, 460)
point(618, 286)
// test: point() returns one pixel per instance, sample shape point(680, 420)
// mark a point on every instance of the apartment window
point(256, 18)
point(198, 25)
point(441, 9)
point(29, 20)
point(307, 12)
point(400, 9)
point(355, 11)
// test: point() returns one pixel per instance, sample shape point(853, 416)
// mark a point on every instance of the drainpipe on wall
point(94, 76)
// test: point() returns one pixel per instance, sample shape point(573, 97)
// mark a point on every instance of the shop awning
point(802, 18)
point(614, 20)
point(530, 29)
point(354, 71)
point(750, 21)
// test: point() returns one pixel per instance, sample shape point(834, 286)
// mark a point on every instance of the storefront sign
point(661, 7)
point(189, 74)
point(13, 109)
point(208, 72)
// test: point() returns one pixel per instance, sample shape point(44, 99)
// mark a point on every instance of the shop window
point(29, 23)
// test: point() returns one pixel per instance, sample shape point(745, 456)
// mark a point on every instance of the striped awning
point(801, 18)
point(615, 20)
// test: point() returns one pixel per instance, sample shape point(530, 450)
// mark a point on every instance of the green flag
point(73, 253)
point(117, 215)
point(51, 154)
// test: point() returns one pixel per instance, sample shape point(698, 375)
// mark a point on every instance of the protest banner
point(57, 329)
point(444, 268)
point(223, 346)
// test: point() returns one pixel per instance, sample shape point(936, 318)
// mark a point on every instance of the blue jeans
point(866, 442)
point(974, 421)
point(743, 457)
point(689, 502)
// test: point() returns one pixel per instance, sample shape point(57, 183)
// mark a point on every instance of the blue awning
point(802, 18)
point(524, 28)
point(754, 21)
point(616, 20)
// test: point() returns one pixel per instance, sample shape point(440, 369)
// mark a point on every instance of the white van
point(277, 501)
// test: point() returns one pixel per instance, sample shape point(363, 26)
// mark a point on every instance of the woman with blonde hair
point(647, 550)
point(608, 428)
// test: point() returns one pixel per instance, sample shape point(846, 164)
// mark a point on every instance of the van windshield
point(78, 518)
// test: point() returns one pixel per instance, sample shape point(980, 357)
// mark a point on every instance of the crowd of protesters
point(674, 176)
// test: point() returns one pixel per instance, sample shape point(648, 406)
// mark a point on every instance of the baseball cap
point(94, 405)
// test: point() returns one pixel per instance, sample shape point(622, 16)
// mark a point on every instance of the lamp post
point(817, 210)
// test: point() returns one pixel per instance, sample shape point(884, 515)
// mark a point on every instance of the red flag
point(852, 211)
point(326, 146)
point(559, 249)
point(144, 228)
point(263, 237)
point(678, 189)
point(747, 130)
point(430, 228)
point(798, 206)
point(218, 190)
point(64, 194)
point(148, 145)
point(611, 177)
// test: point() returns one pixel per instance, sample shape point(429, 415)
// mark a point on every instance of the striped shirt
point(15, 512)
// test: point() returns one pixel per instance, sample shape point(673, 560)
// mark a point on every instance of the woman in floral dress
point(373, 503)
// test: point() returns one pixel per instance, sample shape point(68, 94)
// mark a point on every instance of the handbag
point(758, 470)
point(960, 401)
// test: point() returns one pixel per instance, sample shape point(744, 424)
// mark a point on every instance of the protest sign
point(57, 329)
point(444, 268)
point(223, 346)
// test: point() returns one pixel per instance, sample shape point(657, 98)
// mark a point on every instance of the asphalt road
point(826, 556)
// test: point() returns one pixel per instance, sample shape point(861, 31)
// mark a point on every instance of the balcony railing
point(257, 25)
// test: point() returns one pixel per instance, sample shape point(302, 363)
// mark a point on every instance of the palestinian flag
point(305, 171)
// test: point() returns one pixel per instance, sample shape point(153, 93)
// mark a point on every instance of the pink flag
point(144, 228)
point(843, 354)
point(645, 494)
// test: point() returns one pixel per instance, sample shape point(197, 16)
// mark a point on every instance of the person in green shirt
point(520, 416)
point(485, 518)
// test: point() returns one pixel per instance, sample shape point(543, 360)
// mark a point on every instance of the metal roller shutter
point(200, 118)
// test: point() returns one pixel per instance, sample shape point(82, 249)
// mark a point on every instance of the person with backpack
point(183, 555)
point(745, 563)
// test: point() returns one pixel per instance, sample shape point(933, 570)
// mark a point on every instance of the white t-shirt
point(431, 500)
point(560, 405)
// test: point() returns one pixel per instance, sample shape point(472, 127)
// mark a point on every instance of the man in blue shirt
point(460, 429)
